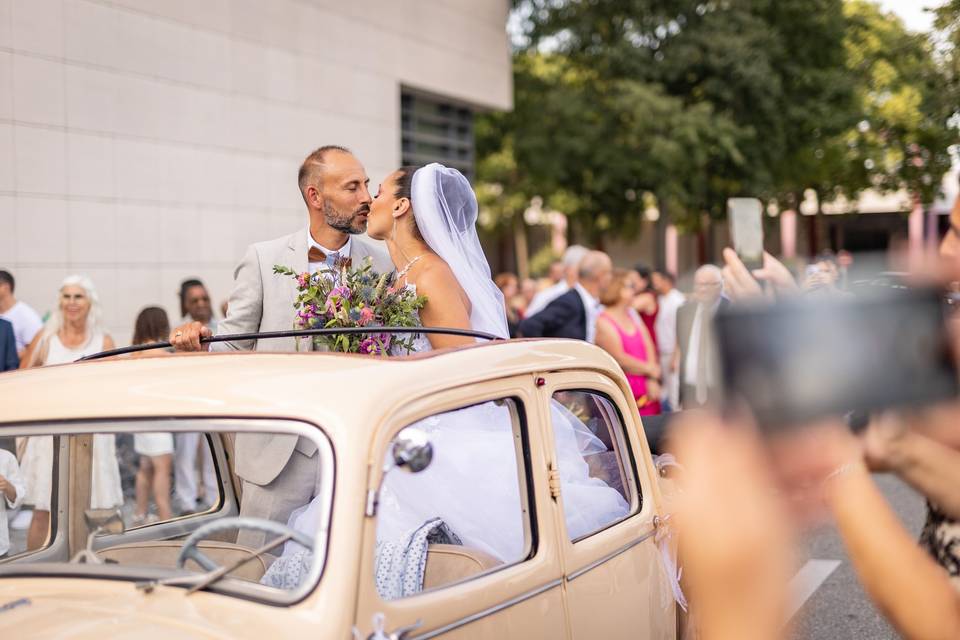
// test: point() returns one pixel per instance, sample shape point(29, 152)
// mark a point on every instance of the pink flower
point(302, 280)
point(375, 345)
point(366, 316)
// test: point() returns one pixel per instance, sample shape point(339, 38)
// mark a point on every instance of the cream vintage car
point(99, 576)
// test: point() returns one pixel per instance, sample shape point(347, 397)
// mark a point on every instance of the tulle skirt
point(473, 484)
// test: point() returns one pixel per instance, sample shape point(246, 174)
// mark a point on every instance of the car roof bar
point(295, 333)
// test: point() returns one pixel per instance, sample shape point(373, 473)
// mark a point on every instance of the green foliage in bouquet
point(343, 296)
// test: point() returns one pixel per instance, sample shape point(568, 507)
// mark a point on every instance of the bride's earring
point(393, 233)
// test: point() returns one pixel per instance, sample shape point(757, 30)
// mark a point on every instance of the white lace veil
point(445, 209)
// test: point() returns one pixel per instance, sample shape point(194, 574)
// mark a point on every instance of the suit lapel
point(358, 252)
point(296, 258)
point(297, 250)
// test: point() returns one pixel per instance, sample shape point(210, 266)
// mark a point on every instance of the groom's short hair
point(312, 167)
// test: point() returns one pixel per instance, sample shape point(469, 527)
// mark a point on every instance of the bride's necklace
point(403, 272)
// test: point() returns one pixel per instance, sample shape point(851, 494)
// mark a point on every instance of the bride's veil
point(445, 209)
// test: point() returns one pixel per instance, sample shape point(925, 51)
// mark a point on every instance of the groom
point(280, 472)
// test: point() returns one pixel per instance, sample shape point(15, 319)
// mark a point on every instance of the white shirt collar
point(343, 251)
point(593, 308)
point(588, 300)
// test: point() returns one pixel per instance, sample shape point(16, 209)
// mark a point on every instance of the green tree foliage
point(903, 136)
point(699, 101)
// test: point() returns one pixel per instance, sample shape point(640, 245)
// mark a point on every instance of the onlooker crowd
point(74, 329)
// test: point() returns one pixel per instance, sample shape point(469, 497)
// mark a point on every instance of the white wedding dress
point(473, 481)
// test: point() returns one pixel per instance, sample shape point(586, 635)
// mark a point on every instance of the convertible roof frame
point(296, 333)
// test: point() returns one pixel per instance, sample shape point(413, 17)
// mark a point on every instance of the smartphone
point(745, 217)
point(797, 361)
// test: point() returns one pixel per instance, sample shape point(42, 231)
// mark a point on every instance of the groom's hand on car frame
point(186, 337)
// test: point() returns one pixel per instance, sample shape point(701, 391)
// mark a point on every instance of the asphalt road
point(839, 609)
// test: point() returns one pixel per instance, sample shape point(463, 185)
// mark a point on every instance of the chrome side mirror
point(412, 450)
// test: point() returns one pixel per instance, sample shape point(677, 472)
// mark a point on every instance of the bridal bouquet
point(343, 296)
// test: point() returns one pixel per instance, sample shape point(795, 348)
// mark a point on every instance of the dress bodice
point(58, 353)
point(420, 341)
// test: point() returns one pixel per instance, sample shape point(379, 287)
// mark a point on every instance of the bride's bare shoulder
point(437, 280)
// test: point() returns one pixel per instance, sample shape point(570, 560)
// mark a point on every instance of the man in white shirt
point(669, 300)
point(26, 323)
point(695, 356)
point(571, 263)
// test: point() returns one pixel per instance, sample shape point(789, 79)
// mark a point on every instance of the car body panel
point(359, 402)
point(616, 570)
point(487, 605)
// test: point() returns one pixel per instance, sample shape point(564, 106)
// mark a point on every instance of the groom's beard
point(354, 223)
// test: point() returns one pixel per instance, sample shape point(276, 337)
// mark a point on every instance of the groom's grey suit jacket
point(263, 301)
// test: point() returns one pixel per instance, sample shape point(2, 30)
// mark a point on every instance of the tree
point(699, 101)
point(903, 136)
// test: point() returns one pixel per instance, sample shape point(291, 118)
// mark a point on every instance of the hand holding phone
point(808, 359)
point(745, 217)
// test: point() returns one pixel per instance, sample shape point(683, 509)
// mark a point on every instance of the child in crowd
point(12, 490)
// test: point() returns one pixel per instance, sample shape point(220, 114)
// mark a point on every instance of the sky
point(912, 12)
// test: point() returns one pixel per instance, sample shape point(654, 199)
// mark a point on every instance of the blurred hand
point(804, 457)
point(735, 542)
point(187, 337)
point(654, 370)
point(882, 441)
point(4, 484)
point(740, 283)
point(653, 389)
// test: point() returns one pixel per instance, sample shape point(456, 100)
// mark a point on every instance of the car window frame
point(599, 385)
point(25, 566)
point(468, 602)
point(525, 480)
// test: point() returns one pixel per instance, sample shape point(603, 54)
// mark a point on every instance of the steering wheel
point(190, 551)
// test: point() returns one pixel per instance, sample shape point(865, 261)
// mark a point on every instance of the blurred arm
point(905, 583)
point(931, 468)
point(10, 349)
point(31, 353)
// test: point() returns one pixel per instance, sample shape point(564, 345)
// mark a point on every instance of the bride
point(427, 217)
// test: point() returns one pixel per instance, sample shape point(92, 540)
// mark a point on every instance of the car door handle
point(402, 632)
point(378, 632)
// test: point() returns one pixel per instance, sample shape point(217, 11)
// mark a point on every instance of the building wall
point(146, 141)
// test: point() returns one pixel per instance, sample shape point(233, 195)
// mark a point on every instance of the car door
point(501, 578)
point(614, 582)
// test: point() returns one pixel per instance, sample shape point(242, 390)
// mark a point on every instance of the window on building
point(433, 130)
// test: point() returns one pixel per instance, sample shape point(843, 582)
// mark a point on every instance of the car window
point(33, 492)
point(166, 475)
point(126, 487)
point(593, 461)
point(466, 513)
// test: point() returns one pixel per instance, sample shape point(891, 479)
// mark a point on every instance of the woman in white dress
point(427, 217)
point(73, 331)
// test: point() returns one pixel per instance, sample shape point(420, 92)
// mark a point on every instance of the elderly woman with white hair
point(73, 331)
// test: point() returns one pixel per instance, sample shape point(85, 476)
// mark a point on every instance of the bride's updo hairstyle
point(404, 188)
